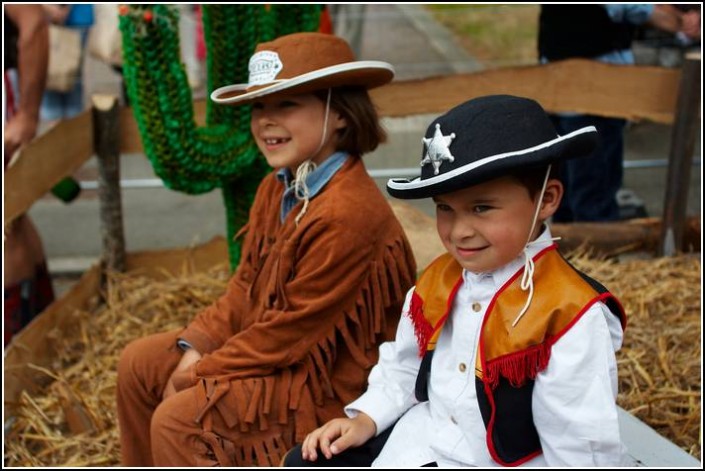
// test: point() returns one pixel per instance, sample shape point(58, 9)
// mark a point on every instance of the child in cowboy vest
point(505, 353)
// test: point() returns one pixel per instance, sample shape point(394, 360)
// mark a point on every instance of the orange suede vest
point(509, 358)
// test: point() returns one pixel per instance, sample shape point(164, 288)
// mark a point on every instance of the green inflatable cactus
point(187, 157)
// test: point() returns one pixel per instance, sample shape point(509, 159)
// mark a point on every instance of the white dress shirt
point(573, 399)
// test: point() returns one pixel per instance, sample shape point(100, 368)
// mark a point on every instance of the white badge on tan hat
point(437, 149)
point(264, 67)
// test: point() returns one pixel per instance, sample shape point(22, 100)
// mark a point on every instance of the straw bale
point(660, 360)
point(659, 364)
point(73, 422)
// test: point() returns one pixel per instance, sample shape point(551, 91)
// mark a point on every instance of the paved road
point(401, 34)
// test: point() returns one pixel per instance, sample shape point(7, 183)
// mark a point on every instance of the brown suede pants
point(183, 430)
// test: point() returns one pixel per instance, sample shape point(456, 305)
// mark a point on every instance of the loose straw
point(659, 364)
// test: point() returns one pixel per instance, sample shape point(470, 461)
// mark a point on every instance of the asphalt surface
point(406, 36)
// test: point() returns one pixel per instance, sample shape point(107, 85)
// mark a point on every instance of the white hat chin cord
point(527, 278)
point(301, 190)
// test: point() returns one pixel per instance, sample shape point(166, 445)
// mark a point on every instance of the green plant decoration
point(190, 158)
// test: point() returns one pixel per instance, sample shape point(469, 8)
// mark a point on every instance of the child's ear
point(339, 122)
point(551, 198)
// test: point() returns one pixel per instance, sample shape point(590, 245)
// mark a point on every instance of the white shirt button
point(477, 307)
point(462, 367)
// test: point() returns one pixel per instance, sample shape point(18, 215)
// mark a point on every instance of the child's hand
point(346, 433)
point(189, 357)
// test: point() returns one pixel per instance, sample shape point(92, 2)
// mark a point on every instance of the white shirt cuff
point(377, 406)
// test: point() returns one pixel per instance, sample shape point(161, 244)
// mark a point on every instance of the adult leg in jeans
point(592, 182)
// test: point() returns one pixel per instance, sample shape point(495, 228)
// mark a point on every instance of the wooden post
point(680, 161)
point(106, 139)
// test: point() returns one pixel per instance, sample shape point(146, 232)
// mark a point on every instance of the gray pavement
point(404, 35)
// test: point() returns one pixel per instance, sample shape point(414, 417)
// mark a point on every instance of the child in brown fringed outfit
point(325, 265)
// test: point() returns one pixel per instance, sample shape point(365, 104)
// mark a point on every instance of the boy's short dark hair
point(532, 177)
point(364, 131)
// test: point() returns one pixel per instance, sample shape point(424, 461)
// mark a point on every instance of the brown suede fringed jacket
point(299, 327)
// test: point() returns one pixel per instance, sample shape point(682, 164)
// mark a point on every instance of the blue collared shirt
point(316, 181)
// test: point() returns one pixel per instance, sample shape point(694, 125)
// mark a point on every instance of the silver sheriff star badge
point(437, 149)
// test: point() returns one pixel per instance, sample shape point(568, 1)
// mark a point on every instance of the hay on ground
point(73, 421)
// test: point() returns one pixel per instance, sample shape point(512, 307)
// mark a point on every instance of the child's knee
point(166, 420)
point(176, 437)
point(130, 358)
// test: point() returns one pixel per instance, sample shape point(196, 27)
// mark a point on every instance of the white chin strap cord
point(300, 187)
point(527, 278)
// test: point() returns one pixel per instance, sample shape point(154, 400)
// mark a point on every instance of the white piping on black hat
point(417, 183)
point(283, 84)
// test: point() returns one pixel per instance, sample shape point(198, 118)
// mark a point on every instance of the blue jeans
point(591, 183)
point(63, 105)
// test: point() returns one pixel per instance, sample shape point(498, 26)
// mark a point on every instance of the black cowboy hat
point(485, 138)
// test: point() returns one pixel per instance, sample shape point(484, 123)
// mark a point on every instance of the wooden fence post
point(680, 159)
point(106, 139)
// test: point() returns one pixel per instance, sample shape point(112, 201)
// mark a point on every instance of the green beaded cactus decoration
point(187, 157)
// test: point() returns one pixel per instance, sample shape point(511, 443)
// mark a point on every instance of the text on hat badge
point(437, 149)
point(264, 67)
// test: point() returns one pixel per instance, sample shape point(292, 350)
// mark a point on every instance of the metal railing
point(406, 172)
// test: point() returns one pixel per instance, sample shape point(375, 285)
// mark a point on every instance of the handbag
point(104, 37)
point(64, 58)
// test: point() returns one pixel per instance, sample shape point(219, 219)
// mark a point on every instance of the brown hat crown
point(301, 53)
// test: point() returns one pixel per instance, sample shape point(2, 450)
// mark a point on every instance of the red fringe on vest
point(518, 367)
point(422, 328)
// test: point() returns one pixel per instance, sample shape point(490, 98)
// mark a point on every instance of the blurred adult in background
point(62, 105)
point(188, 42)
point(602, 32)
point(654, 46)
point(347, 22)
point(27, 285)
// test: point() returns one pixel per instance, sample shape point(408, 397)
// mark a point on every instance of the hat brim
point(576, 144)
point(368, 74)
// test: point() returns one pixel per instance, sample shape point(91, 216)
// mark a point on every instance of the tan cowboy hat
point(302, 63)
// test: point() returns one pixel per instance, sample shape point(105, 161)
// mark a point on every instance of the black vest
point(585, 31)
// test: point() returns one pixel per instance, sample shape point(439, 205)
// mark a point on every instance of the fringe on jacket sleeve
point(274, 412)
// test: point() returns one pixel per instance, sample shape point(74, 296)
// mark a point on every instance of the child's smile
point(289, 129)
point(487, 225)
point(273, 143)
point(469, 252)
